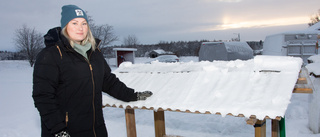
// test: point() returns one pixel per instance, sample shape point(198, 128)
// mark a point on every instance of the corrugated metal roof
point(261, 86)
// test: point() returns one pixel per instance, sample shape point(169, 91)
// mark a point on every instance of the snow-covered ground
point(19, 117)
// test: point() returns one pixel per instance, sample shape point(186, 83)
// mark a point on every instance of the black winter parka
point(67, 88)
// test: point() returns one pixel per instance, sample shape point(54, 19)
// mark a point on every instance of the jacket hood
point(52, 36)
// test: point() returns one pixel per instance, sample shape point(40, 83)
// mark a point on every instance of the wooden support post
point(275, 128)
point(130, 122)
point(159, 124)
point(260, 128)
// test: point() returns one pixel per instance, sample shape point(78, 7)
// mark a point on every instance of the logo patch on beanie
point(79, 12)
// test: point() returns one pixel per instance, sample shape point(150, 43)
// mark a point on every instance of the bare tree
point(29, 42)
point(315, 19)
point(130, 40)
point(103, 32)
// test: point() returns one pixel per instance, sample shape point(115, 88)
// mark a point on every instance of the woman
point(69, 75)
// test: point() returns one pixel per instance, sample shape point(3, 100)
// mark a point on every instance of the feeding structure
point(257, 89)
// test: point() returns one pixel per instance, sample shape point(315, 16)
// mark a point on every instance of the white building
point(293, 43)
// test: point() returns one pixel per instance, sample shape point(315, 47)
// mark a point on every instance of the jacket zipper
point(67, 119)
point(93, 93)
point(93, 97)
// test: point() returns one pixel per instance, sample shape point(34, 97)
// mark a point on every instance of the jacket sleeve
point(45, 83)
point(116, 88)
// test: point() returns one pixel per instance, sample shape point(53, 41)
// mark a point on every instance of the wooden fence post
point(159, 123)
point(260, 128)
point(275, 128)
point(130, 122)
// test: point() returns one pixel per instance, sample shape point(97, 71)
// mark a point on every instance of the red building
point(124, 54)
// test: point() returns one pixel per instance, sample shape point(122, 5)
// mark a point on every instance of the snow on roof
point(261, 86)
point(314, 58)
point(315, 27)
point(306, 32)
point(313, 68)
point(159, 51)
point(125, 49)
point(315, 65)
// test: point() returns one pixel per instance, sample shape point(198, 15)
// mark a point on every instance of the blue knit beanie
point(70, 12)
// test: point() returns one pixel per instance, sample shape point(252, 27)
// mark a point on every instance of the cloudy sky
point(152, 21)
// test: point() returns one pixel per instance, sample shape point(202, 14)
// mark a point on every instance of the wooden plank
point(302, 81)
point(159, 124)
point(260, 128)
point(275, 128)
point(304, 84)
point(252, 120)
point(303, 90)
point(130, 122)
point(278, 118)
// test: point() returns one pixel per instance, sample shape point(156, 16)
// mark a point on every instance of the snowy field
point(19, 117)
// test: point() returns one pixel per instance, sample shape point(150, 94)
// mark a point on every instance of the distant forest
point(179, 48)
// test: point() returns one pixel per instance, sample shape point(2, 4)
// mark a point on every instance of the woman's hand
point(143, 95)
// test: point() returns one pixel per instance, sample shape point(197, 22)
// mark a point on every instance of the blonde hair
point(89, 38)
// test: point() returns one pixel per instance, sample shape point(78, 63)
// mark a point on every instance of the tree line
point(179, 48)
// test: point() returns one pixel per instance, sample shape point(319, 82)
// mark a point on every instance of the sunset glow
point(260, 23)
